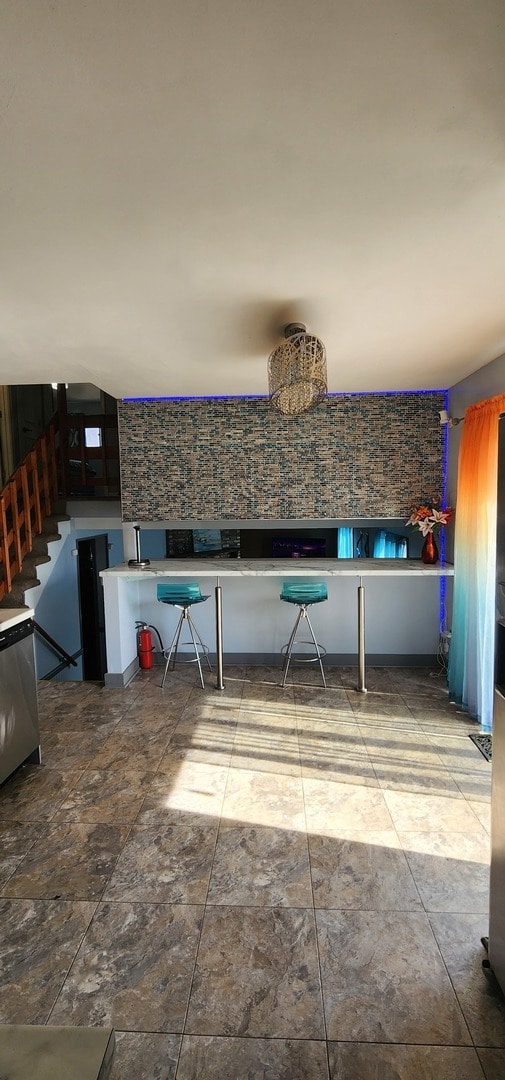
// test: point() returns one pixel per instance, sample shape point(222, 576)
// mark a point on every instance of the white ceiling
point(181, 178)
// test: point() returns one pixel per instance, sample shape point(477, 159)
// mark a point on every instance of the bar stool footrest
point(297, 659)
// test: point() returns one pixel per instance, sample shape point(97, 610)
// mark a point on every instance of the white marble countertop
point(280, 568)
point(12, 616)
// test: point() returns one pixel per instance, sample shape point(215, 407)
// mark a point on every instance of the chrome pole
point(361, 638)
point(219, 636)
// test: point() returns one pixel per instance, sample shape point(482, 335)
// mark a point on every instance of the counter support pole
point(219, 636)
point(361, 638)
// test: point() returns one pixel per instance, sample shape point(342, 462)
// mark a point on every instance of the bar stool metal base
point(196, 641)
point(320, 651)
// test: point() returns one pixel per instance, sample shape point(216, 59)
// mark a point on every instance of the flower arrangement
point(429, 516)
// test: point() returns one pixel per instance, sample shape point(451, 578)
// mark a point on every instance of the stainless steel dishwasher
point(19, 723)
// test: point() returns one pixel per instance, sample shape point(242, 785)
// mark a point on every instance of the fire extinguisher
point(145, 647)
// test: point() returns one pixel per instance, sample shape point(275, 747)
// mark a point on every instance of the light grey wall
point(486, 382)
point(57, 608)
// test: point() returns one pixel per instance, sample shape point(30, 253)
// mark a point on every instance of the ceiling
point(180, 179)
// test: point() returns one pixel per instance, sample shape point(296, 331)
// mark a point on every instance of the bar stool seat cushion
point(304, 593)
point(180, 595)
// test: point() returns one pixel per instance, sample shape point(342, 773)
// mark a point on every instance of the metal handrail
point(58, 649)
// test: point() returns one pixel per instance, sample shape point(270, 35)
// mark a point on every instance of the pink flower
point(428, 517)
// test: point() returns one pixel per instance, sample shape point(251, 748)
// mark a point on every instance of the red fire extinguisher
point(145, 647)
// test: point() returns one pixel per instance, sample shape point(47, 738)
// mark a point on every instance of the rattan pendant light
point(297, 372)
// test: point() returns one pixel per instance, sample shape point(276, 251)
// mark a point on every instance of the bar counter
point(123, 584)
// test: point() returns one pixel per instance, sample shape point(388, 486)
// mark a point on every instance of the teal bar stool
point(303, 595)
point(183, 597)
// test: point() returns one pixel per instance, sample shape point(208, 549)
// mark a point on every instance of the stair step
point(41, 542)
point(50, 524)
point(27, 577)
point(15, 599)
point(30, 563)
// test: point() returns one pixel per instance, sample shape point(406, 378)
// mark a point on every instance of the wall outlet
point(445, 641)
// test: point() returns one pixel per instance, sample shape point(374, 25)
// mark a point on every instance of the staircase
point(26, 504)
point(28, 576)
point(63, 463)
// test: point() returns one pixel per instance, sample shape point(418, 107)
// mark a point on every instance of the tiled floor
point(259, 883)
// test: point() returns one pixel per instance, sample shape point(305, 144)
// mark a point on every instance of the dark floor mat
point(485, 744)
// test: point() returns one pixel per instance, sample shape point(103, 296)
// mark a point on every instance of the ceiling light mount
point(297, 378)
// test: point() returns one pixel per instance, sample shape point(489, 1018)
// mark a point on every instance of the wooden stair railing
point(25, 501)
point(60, 465)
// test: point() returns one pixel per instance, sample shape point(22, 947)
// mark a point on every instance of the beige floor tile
point(283, 761)
point(367, 873)
point(377, 679)
point(324, 745)
point(214, 712)
point(493, 1063)
point(139, 1055)
point(459, 753)
point(131, 798)
point(40, 939)
point(150, 951)
point(266, 743)
point(35, 793)
point(429, 709)
point(421, 812)
point(344, 769)
point(205, 731)
point(416, 777)
point(419, 681)
point(385, 1061)
point(343, 809)
point(149, 719)
point(186, 793)
point(68, 862)
point(261, 798)
point(384, 980)
point(255, 866)
point(451, 871)
point(218, 1058)
point(267, 693)
point(164, 865)
point(459, 940)
point(406, 761)
point(277, 714)
point(16, 839)
point(103, 795)
point(126, 751)
point(270, 718)
point(474, 786)
point(398, 746)
point(257, 975)
point(74, 749)
point(320, 703)
point(482, 810)
point(376, 705)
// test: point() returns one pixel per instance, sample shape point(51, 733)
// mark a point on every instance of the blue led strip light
point(255, 397)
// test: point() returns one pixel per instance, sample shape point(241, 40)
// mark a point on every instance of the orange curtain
point(471, 659)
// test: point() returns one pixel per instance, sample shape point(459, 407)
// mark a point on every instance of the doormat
point(485, 745)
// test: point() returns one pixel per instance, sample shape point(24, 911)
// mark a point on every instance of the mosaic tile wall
point(363, 455)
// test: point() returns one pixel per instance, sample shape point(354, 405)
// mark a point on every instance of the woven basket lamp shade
point(297, 372)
